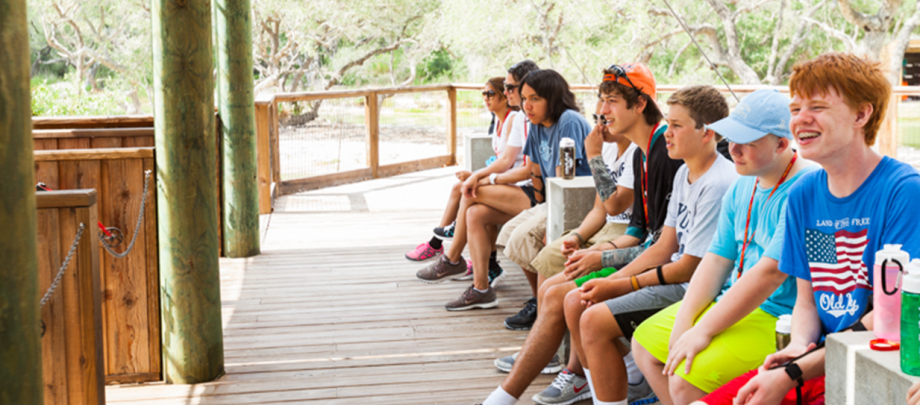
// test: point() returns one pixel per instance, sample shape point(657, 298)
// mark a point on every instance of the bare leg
point(507, 199)
point(600, 340)
point(532, 280)
point(573, 311)
point(478, 219)
point(550, 283)
point(574, 364)
point(493, 235)
point(459, 242)
point(682, 392)
point(651, 369)
point(453, 204)
point(541, 343)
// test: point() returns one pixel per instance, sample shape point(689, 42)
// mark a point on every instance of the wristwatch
point(492, 178)
point(795, 373)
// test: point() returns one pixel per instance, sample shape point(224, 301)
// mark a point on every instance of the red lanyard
point(525, 138)
point(795, 155)
point(648, 150)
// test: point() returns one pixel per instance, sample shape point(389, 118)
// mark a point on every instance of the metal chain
point(60, 275)
point(137, 226)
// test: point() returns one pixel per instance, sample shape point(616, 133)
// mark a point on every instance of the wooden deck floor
point(331, 312)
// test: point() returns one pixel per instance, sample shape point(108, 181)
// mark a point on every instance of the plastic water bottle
point(886, 297)
point(567, 157)
point(910, 320)
point(783, 331)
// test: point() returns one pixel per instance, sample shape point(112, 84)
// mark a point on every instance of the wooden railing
point(72, 346)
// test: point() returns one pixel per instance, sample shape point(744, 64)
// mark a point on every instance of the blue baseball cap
point(762, 112)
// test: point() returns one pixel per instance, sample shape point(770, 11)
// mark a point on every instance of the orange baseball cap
point(635, 75)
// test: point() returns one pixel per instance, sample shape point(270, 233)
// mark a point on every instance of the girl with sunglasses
point(505, 158)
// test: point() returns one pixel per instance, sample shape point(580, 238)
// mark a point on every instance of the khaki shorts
point(550, 260)
point(522, 236)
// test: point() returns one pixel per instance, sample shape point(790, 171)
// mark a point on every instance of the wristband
point(614, 244)
point(581, 240)
point(795, 373)
point(492, 178)
point(635, 283)
point(660, 276)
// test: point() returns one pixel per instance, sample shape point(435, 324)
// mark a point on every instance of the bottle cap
point(784, 324)
point(910, 281)
point(566, 143)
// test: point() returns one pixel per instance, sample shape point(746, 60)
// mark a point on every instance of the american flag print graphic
point(835, 260)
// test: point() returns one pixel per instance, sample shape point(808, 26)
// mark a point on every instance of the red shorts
point(812, 391)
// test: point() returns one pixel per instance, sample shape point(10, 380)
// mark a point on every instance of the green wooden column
point(236, 105)
point(186, 157)
point(20, 342)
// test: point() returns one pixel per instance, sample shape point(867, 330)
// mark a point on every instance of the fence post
point(20, 344)
point(452, 125)
point(263, 151)
point(372, 121)
point(888, 132)
point(274, 136)
point(183, 83)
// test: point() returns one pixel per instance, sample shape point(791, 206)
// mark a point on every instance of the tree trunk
point(20, 342)
point(187, 191)
point(236, 104)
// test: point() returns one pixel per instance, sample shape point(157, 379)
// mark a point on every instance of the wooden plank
point(65, 198)
point(46, 172)
point(274, 135)
point(92, 133)
point(106, 143)
point(372, 123)
point(154, 362)
point(263, 137)
point(138, 141)
point(328, 180)
point(134, 378)
point(49, 260)
point(887, 137)
point(120, 121)
point(92, 154)
point(452, 126)
point(414, 166)
point(74, 143)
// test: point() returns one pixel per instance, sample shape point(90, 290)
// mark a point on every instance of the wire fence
point(321, 139)
point(412, 126)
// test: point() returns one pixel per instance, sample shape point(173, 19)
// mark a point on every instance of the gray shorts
point(633, 308)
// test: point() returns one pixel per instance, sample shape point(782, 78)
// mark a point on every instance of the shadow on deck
point(331, 311)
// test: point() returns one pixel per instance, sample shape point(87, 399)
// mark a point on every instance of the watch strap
point(795, 373)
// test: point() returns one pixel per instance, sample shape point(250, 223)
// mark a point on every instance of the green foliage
point(59, 99)
point(436, 67)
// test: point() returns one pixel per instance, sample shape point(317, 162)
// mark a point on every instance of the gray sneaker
point(566, 389)
point(506, 363)
point(641, 393)
point(473, 299)
point(441, 270)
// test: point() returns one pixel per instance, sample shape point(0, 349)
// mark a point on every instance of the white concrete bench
point(569, 202)
point(477, 148)
point(858, 375)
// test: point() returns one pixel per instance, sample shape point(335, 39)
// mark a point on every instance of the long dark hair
point(550, 85)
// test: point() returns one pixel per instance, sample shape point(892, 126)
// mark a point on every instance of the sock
point(454, 263)
point(500, 397)
point(435, 243)
point(590, 384)
point(481, 291)
point(623, 402)
point(634, 375)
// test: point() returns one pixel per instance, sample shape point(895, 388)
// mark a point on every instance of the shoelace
point(562, 379)
point(530, 306)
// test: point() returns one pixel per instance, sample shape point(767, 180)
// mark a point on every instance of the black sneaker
point(524, 319)
point(496, 274)
point(445, 232)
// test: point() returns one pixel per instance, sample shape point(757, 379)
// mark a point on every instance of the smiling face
point(684, 139)
point(535, 106)
point(514, 95)
point(756, 158)
point(620, 118)
point(609, 137)
point(825, 125)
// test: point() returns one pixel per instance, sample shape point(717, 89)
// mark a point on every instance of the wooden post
point(239, 194)
point(888, 132)
point(187, 191)
point(20, 344)
point(372, 122)
point(452, 125)
point(273, 137)
point(263, 140)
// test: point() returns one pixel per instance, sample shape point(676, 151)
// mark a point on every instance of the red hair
point(857, 80)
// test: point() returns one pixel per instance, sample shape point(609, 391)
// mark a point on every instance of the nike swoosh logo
point(578, 389)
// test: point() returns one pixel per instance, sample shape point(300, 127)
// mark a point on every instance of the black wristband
point(660, 276)
point(795, 373)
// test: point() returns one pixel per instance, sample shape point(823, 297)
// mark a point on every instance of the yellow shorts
point(737, 350)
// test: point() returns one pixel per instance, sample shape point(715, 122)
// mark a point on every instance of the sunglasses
point(599, 119)
point(511, 87)
point(488, 93)
point(617, 71)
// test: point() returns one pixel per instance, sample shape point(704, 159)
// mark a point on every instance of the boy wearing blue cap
point(734, 320)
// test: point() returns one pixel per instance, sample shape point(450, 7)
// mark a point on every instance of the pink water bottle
point(886, 295)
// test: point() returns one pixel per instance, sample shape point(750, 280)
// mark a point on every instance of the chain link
point(60, 275)
point(137, 226)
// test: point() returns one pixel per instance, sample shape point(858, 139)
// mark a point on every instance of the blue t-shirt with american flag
point(832, 241)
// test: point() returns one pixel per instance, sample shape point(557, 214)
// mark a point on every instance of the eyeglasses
point(599, 119)
point(511, 87)
point(617, 71)
point(488, 93)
